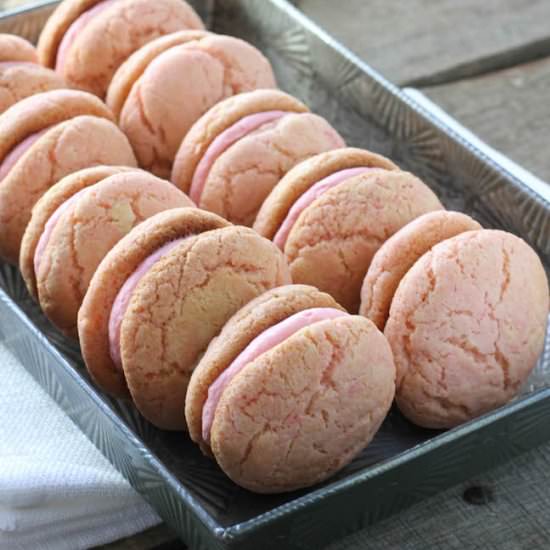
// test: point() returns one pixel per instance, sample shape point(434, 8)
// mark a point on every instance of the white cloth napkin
point(57, 491)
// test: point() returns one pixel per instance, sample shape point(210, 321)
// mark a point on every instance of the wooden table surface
point(488, 64)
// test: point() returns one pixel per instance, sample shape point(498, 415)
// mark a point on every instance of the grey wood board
point(418, 42)
point(504, 509)
point(509, 109)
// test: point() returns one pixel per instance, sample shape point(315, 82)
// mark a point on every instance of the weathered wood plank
point(422, 42)
point(509, 109)
point(505, 509)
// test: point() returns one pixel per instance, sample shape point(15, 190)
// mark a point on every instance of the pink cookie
point(124, 259)
point(290, 391)
point(180, 303)
point(466, 327)
point(21, 79)
point(86, 40)
point(133, 67)
point(15, 48)
point(43, 210)
point(398, 254)
point(43, 138)
point(20, 74)
point(331, 213)
point(161, 295)
point(158, 106)
point(84, 227)
point(236, 152)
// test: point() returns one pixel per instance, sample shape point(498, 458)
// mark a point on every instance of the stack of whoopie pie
point(229, 264)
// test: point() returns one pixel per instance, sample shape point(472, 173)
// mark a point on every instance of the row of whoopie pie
point(249, 338)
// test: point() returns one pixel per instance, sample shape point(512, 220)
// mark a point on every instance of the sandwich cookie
point(44, 138)
point(20, 74)
point(233, 156)
point(156, 101)
point(130, 71)
point(332, 212)
point(161, 295)
point(111, 275)
point(83, 227)
point(249, 322)
point(399, 253)
point(85, 41)
point(47, 205)
point(15, 48)
point(291, 390)
point(466, 327)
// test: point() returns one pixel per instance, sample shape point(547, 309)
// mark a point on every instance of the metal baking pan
point(404, 463)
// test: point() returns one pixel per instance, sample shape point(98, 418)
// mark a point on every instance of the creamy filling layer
point(228, 137)
point(18, 151)
point(120, 305)
point(77, 26)
point(50, 225)
point(312, 194)
point(265, 341)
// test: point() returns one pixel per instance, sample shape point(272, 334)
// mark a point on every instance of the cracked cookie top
point(38, 112)
point(258, 315)
point(244, 174)
point(466, 327)
point(302, 410)
point(161, 107)
point(304, 175)
point(67, 147)
point(19, 80)
point(181, 303)
point(87, 225)
point(87, 40)
point(218, 119)
point(332, 242)
point(130, 71)
point(113, 272)
point(52, 199)
point(399, 253)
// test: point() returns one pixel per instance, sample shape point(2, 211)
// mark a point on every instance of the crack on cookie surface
point(106, 213)
point(17, 83)
point(111, 51)
point(203, 287)
point(285, 417)
point(243, 175)
point(458, 357)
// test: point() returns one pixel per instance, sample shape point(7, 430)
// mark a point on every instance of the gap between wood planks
point(425, 43)
point(505, 59)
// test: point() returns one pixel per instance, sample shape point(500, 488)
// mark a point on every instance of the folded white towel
point(57, 491)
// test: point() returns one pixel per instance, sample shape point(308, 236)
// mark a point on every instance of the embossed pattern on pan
point(404, 463)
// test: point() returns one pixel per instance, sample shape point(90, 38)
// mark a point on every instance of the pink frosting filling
point(75, 29)
point(18, 151)
point(228, 137)
point(314, 192)
point(265, 341)
point(49, 226)
point(125, 294)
